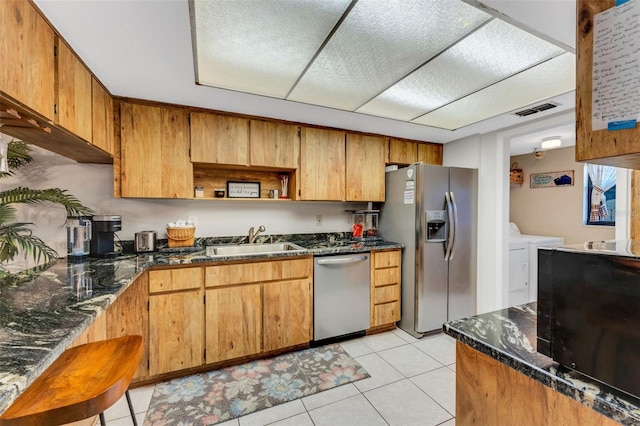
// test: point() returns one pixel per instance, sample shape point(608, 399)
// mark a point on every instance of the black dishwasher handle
point(341, 260)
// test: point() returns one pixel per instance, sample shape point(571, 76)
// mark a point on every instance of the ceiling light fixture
point(538, 154)
point(551, 143)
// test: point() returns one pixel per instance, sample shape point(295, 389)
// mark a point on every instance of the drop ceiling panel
point(378, 43)
point(259, 47)
point(541, 82)
point(490, 54)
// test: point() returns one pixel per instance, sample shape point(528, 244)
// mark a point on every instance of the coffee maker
point(104, 228)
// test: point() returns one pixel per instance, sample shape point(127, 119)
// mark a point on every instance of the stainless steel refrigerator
point(432, 210)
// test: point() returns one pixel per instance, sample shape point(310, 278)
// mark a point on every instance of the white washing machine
point(523, 264)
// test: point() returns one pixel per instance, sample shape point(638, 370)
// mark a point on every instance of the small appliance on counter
point(145, 241)
point(365, 223)
point(104, 229)
point(78, 236)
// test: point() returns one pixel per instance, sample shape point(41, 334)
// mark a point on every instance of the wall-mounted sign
point(551, 179)
point(243, 189)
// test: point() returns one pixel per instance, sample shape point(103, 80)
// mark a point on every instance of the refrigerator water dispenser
point(436, 226)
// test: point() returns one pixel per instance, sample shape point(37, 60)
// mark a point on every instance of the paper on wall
point(616, 66)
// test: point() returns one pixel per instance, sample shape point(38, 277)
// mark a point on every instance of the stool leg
point(133, 414)
point(102, 422)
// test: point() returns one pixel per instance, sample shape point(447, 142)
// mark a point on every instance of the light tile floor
point(412, 383)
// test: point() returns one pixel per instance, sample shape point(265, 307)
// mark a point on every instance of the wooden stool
point(83, 382)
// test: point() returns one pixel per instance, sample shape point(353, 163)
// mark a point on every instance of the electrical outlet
point(318, 220)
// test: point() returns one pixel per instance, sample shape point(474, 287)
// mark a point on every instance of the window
point(600, 195)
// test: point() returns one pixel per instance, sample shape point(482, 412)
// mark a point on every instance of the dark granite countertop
point(509, 336)
point(43, 310)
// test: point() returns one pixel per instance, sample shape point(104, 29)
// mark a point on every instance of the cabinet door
point(233, 322)
point(430, 153)
point(27, 52)
point(155, 152)
point(274, 144)
point(74, 94)
point(128, 315)
point(165, 280)
point(287, 314)
point(176, 331)
point(322, 165)
point(365, 167)
point(102, 122)
point(402, 152)
point(219, 139)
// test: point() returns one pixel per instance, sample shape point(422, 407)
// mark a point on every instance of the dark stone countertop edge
point(588, 396)
point(11, 385)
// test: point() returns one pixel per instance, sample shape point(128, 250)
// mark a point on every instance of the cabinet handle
point(341, 260)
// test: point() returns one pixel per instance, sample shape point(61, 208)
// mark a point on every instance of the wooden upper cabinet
point(365, 167)
point(402, 152)
point(219, 139)
point(27, 73)
point(102, 110)
point(615, 148)
point(74, 93)
point(322, 165)
point(155, 152)
point(430, 153)
point(274, 144)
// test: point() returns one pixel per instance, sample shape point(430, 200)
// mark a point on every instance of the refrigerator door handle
point(455, 225)
point(450, 221)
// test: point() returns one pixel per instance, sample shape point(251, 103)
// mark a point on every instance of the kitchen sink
point(250, 249)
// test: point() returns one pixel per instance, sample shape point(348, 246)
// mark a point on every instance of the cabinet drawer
point(246, 273)
point(386, 313)
point(175, 279)
point(386, 259)
point(384, 277)
point(390, 293)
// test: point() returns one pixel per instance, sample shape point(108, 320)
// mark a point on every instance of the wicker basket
point(181, 237)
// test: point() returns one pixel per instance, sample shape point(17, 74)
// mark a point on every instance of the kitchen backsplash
point(92, 184)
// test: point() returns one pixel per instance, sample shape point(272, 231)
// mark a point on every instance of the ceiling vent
point(536, 109)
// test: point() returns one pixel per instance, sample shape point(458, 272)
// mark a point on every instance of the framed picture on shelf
point(236, 189)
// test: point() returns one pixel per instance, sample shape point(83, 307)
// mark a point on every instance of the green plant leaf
point(55, 195)
point(18, 237)
point(18, 155)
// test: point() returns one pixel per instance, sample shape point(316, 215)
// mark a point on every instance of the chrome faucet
point(253, 236)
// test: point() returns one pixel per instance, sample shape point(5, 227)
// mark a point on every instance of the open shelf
point(212, 177)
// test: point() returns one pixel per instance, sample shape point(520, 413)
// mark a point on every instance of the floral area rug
point(221, 395)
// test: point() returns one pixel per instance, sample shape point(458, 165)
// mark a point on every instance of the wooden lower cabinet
point(287, 314)
point(176, 320)
point(490, 393)
point(233, 322)
point(176, 331)
point(212, 314)
point(269, 302)
point(128, 315)
point(385, 287)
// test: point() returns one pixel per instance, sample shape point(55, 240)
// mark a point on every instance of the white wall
point(555, 211)
point(93, 185)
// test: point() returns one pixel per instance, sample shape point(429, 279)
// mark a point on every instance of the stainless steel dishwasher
point(340, 295)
